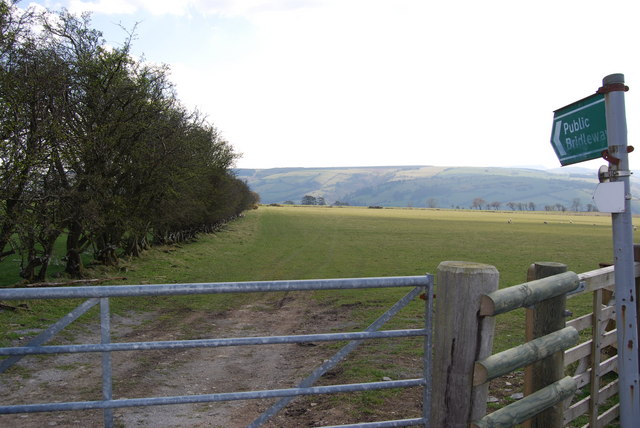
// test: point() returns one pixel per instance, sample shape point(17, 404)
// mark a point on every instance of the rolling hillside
point(430, 186)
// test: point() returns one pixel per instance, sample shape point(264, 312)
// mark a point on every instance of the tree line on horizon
point(477, 203)
point(576, 205)
point(96, 148)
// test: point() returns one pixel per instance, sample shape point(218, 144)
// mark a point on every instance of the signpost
point(577, 135)
point(579, 130)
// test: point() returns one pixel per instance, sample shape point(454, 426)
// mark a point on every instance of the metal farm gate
point(101, 294)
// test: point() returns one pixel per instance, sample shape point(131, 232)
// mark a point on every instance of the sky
point(334, 83)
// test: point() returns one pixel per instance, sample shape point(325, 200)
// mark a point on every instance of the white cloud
point(187, 7)
point(107, 7)
point(167, 7)
point(128, 7)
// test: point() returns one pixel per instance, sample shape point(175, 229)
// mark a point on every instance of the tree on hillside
point(308, 200)
point(576, 204)
point(477, 203)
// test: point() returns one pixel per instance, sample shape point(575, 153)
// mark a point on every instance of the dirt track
point(200, 371)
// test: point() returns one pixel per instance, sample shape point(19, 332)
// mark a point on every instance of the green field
point(275, 243)
point(292, 242)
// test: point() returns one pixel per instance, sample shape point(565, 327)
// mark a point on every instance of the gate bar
point(54, 329)
point(427, 356)
point(212, 288)
point(105, 338)
point(208, 398)
point(210, 343)
point(385, 424)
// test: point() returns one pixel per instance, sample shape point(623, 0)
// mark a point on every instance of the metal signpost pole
point(626, 313)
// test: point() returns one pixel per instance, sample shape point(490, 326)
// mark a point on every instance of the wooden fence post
point(461, 337)
point(545, 318)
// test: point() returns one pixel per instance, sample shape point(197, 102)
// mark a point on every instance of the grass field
point(274, 243)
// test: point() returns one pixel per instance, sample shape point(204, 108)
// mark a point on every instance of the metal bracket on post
point(613, 86)
point(622, 173)
point(606, 155)
point(582, 285)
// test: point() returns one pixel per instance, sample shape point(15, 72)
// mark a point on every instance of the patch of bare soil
point(505, 390)
point(77, 377)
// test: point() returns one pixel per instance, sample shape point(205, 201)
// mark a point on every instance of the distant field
point(328, 242)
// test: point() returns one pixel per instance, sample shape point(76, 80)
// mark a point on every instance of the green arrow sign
point(579, 130)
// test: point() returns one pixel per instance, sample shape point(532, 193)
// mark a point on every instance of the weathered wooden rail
point(463, 338)
point(537, 350)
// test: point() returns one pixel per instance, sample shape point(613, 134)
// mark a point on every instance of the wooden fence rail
point(528, 294)
point(507, 361)
point(529, 406)
point(463, 338)
point(550, 286)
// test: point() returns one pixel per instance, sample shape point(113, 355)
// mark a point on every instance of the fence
point(469, 301)
point(101, 295)
point(463, 338)
point(586, 359)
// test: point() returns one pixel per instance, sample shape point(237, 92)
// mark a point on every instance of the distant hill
point(430, 186)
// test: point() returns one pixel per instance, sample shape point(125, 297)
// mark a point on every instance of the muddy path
point(77, 377)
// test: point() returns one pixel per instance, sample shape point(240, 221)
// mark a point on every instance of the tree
point(495, 205)
point(477, 203)
point(308, 200)
point(575, 204)
point(32, 78)
point(532, 206)
point(99, 126)
point(432, 203)
point(20, 141)
point(95, 145)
